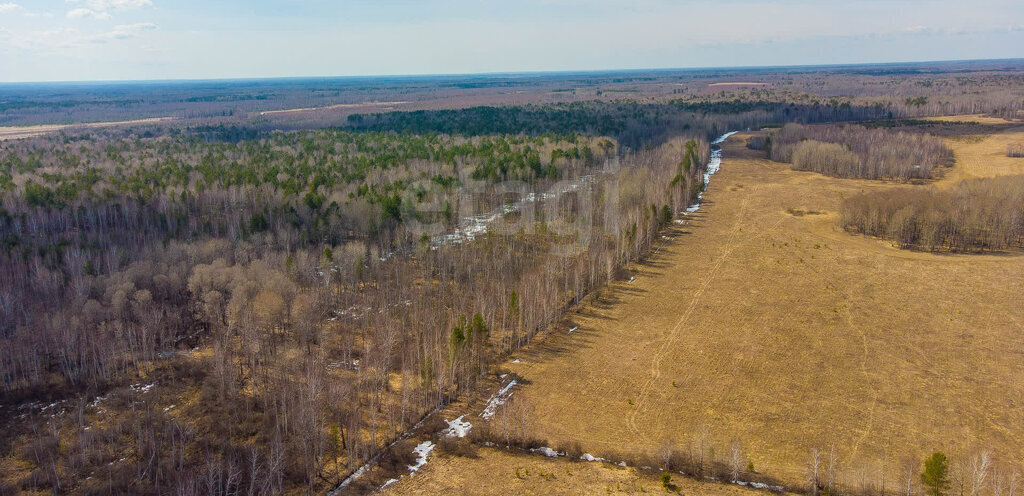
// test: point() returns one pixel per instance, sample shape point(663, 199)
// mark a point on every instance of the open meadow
point(787, 336)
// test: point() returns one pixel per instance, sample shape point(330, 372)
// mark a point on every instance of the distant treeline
point(1015, 151)
point(856, 152)
point(633, 124)
point(976, 215)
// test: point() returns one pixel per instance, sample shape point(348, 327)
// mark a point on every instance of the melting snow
point(574, 328)
point(498, 399)
point(544, 450)
point(478, 225)
point(759, 485)
point(713, 165)
point(457, 427)
point(348, 480)
point(421, 450)
point(139, 388)
point(388, 483)
point(587, 457)
point(515, 361)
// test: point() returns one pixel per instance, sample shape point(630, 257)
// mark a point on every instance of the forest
point(265, 311)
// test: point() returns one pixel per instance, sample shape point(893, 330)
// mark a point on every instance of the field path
point(669, 342)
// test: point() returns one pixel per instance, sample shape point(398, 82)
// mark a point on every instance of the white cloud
point(101, 9)
point(107, 5)
point(83, 13)
point(8, 7)
point(123, 32)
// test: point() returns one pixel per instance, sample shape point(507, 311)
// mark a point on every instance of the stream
point(476, 225)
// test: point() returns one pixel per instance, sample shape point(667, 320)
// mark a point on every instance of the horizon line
point(526, 73)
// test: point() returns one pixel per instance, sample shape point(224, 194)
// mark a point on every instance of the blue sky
point(48, 40)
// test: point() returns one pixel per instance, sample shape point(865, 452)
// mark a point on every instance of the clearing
point(17, 132)
point(761, 321)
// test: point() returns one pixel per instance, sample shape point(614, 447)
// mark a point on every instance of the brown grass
point(17, 132)
point(984, 156)
point(495, 471)
point(784, 332)
point(975, 118)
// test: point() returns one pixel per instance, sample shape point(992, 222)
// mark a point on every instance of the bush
point(457, 446)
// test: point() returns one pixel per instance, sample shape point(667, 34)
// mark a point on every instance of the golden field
point(760, 321)
point(495, 471)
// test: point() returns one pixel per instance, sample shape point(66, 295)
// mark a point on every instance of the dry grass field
point(984, 156)
point(761, 321)
point(499, 472)
point(17, 132)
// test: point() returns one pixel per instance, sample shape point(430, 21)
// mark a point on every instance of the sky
point(86, 40)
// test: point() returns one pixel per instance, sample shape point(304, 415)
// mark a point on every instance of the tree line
point(973, 216)
point(851, 151)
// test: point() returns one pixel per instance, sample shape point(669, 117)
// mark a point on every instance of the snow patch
point(574, 328)
point(388, 483)
point(759, 485)
point(515, 361)
point(140, 388)
point(548, 452)
point(587, 457)
point(714, 164)
point(422, 450)
point(457, 427)
point(348, 480)
point(498, 399)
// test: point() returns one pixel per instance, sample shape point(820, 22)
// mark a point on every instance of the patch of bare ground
point(17, 132)
point(762, 323)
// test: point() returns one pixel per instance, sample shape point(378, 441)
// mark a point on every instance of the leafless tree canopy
point(857, 152)
point(975, 215)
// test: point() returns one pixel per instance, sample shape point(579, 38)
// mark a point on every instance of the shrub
point(666, 481)
point(457, 446)
point(935, 477)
